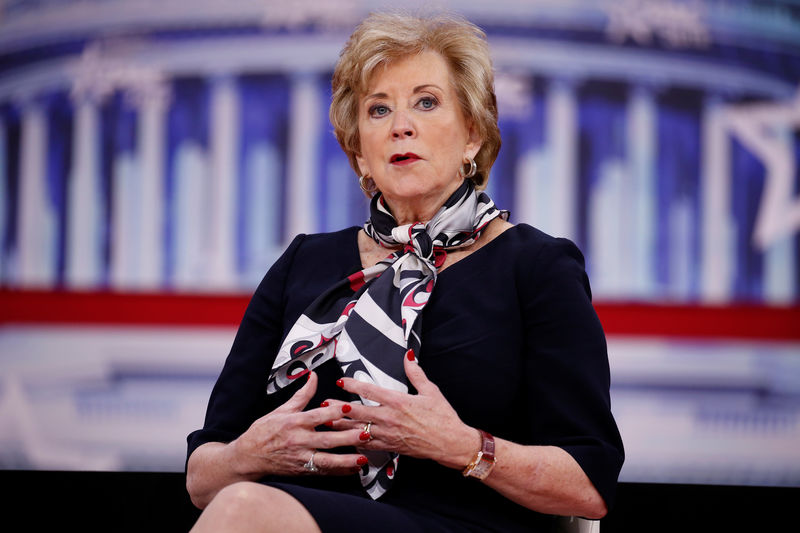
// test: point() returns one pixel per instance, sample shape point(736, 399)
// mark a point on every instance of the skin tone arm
point(543, 478)
point(279, 443)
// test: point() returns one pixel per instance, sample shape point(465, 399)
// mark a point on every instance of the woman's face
point(414, 137)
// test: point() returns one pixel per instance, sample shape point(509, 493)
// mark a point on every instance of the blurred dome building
point(177, 146)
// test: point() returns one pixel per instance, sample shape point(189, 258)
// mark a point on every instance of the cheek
point(369, 144)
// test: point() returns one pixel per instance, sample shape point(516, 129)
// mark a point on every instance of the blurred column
point(263, 173)
point(780, 264)
point(84, 250)
point(152, 100)
point(718, 226)
point(304, 121)
point(224, 150)
point(562, 140)
point(532, 188)
point(191, 198)
point(639, 216)
point(37, 219)
point(124, 235)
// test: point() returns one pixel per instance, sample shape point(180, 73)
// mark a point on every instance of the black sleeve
point(239, 395)
point(567, 364)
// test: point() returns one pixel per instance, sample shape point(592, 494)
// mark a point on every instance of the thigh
point(337, 512)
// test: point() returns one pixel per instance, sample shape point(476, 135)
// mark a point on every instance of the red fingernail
point(324, 404)
point(361, 461)
point(346, 408)
point(410, 355)
point(340, 383)
point(364, 435)
point(329, 424)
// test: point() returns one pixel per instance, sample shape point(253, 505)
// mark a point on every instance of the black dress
point(510, 338)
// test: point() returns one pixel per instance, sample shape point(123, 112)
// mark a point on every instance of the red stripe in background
point(168, 309)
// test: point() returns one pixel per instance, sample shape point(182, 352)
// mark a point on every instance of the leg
point(252, 507)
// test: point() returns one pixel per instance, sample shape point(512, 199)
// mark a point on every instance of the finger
point(300, 399)
point(326, 440)
point(335, 414)
point(416, 376)
point(326, 413)
point(345, 424)
point(360, 414)
point(368, 391)
point(333, 464)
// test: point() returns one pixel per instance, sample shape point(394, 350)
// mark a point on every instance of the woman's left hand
point(422, 425)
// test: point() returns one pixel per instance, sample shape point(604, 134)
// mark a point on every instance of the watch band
point(484, 460)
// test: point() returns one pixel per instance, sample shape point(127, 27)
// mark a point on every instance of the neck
point(409, 211)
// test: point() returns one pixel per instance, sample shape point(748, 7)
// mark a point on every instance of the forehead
point(427, 67)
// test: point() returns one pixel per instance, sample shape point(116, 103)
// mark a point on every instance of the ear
point(363, 167)
point(474, 142)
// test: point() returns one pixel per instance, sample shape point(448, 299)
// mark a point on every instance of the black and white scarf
point(368, 321)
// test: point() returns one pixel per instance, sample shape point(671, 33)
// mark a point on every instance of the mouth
point(403, 159)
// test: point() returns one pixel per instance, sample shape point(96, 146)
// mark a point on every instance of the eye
point(378, 110)
point(427, 103)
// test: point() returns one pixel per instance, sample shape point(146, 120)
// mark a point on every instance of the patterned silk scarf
point(369, 320)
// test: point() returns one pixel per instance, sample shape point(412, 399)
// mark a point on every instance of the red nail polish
point(361, 461)
point(329, 424)
point(324, 404)
point(340, 383)
point(410, 355)
point(346, 408)
point(364, 435)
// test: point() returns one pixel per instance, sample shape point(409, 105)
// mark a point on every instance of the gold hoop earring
point(473, 169)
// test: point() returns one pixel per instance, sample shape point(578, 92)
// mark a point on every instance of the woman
point(362, 391)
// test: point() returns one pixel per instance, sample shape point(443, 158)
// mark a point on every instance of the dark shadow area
point(97, 501)
point(155, 502)
point(648, 507)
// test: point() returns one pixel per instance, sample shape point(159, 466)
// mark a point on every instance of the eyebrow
point(417, 89)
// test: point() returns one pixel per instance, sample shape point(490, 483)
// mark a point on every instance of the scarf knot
point(415, 239)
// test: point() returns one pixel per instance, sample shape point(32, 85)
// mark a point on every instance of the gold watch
point(481, 466)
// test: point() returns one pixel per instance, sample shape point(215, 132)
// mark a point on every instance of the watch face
point(483, 468)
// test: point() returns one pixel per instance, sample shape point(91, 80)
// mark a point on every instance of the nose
point(402, 127)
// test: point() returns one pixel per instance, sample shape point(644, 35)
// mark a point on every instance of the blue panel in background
point(264, 126)
point(601, 142)
point(678, 194)
point(339, 200)
point(59, 163)
point(187, 122)
point(8, 240)
point(118, 126)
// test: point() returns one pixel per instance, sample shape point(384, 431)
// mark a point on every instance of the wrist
point(484, 460)
point(235, 459)
point(462, 448)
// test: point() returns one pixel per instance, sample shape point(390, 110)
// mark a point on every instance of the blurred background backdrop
point(157, 156)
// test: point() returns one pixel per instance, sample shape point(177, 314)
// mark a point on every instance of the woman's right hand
point(279, 443)
point(282, 441)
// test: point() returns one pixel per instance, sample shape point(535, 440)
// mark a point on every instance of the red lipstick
point(403, 159)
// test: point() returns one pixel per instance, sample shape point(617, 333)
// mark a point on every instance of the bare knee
point(240, 498)
point(249, 506)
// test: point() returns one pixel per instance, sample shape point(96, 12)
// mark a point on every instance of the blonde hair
point(385, 37)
